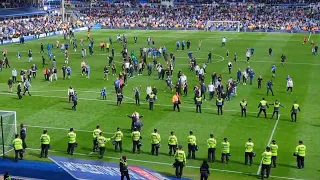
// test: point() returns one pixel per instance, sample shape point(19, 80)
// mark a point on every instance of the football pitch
point(48, 107)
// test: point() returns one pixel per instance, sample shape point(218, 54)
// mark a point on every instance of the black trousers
point(300, 162)
point(70, 98)
point(211, 154)
point(259, 85)
point(244, 112)
point(118, 144)
point(274, 161)
point(26, 90)
point(265, 170)
point(150, 105)
point(137, 98)
point(24, 145)
point(34, 74)
point(95, 145)
point(75, 103)
point(219, 107)
point(264, 112)
point(172, 148)
point(125, 174)
point(204, 175)
point(248, 156)
point(179, 168)
point(289, 88)
point(191, 151)
point(101, 152)
point(198, 108)
point(275, 113)
point(154, 149)
point(71, 148)
point(294, 117)
point(44, 150)
point(270, 89)
point(135, 145)
point(119, 100)
point(19, 94)
point(225, 157)
point(176, 105)
point(14, 79)
point(18, 153)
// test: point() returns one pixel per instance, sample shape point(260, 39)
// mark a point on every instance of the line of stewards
point(72, 143)
point(18, 147)
point(176, 102)
point(249, 154)
point(155, 142)
point(172, 143)
point(102, 144)
point(180, 161)
point(45, 144)
point(117, 140)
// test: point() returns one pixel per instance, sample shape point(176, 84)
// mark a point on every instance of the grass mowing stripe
point(270, 139)
point(168, 164)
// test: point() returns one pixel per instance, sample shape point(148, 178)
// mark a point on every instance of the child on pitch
point(19, 55)
point(103, 93)
point(273, 70)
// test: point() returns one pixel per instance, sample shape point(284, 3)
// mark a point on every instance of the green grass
point(49, 107)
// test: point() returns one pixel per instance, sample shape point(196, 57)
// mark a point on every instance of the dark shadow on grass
point(85, 149)
point(286, 165)
point(68, 109)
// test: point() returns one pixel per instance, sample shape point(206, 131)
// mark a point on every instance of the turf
point(48, 107)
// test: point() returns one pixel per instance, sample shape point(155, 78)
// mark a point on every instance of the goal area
point(223, 26)
point(8, 128)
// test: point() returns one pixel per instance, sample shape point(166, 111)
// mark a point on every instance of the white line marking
point(64, 169)
point(7, 151)
point(169, 164)
point(270, 139)
point(309, 36)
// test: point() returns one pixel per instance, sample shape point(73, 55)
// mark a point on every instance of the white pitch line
point(65, 169)
point(169, 164)
point(107, 100)
point(270, 139)
point(7, 151)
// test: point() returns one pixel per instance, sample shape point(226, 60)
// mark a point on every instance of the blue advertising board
point(88, 169)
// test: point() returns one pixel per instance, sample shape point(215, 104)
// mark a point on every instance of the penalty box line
point(170, 164)
point(269, 141)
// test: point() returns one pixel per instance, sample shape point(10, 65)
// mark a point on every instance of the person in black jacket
point(204, 170)
point(124, 168)
point(19, 89)
point(23, 135)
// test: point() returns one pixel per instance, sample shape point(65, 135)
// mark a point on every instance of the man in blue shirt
point(273, 70)
point(26, 87)
point(68, 72)
point(239, 73)
point(182, 45)
point(178, 45)
point(269, 87)
point(251, 75)
point(88, 71)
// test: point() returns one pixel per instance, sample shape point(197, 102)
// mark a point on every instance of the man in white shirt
point(14, 75)
point(211, 91)
point(148, 91)
point(197, 68)
point(223, 41)
point(289, 85)
point(183, 78)
point(127, 66)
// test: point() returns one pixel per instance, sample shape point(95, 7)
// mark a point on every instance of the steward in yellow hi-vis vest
point(300, 153)
point(155, 142)
point(266, 163)
point(294, 110)
point(172, 143)
point(212, 143)
point(263, 105)
point(180, 161)
point(72, 143)
point(18, 148)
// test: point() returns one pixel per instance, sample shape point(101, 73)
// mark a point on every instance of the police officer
point(118, 135)
point(19, 89)
point(136, 136)
point(225, 150)
point(212, 142)
point(248, 152)
point(263, 105)
point(294, 110)
point(276, 105)
point(300, 153)
point(243, 105)
point(172, 143)
point(45, 144)
point(198, 104)
point(192, 145)
point(219, 103)
point(152, 98)
point(23, 135)
point(180, 161)
point(96, 133)
point(274, 151)
point(102, 144)
point(71, 141)
point(70, 93)
point(124, 168)
point(155, 142)
point(266, 163)
point(75, 101)
point(18, 148)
